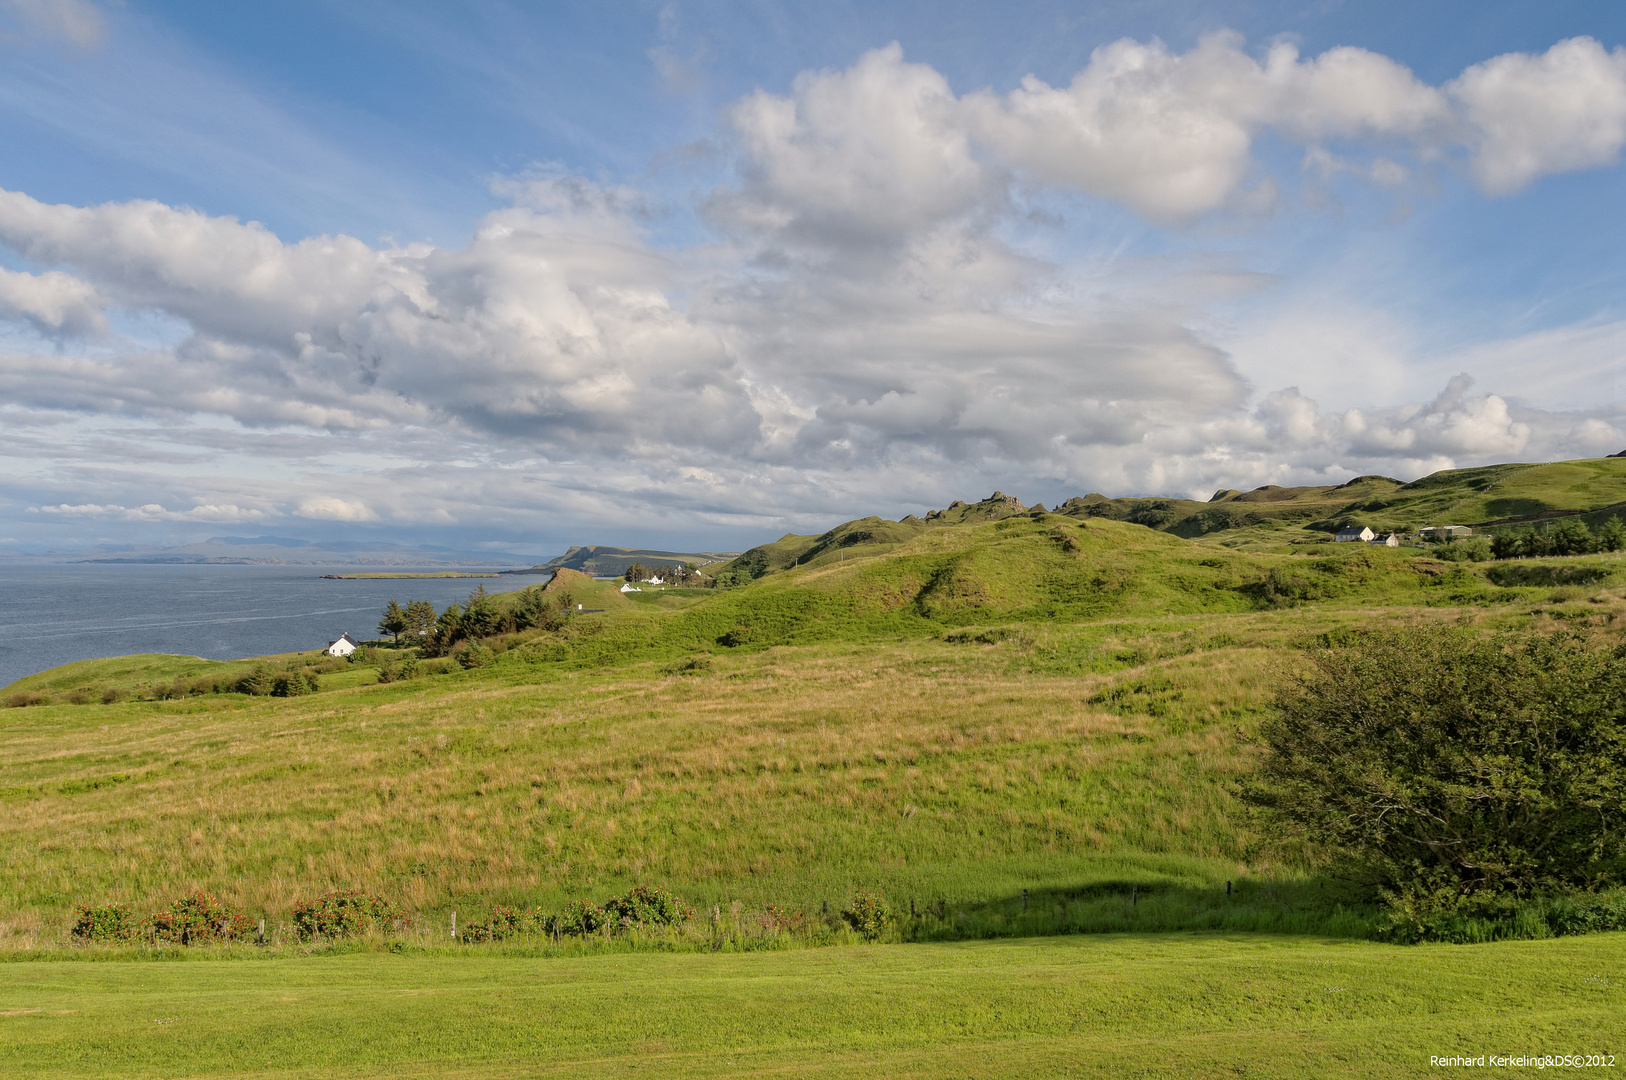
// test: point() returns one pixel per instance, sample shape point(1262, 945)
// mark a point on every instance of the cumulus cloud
point(1171, 135)
point(875, 151)
point(1528, 116)
point(54, 302)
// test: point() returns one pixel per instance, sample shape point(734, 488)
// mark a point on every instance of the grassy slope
point(1024, 704)
point(1022, 719)
point(1176, 1006)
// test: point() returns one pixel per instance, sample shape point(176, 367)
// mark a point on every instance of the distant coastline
point(406, 574)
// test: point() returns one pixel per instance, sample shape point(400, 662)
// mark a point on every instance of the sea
point(55, 613)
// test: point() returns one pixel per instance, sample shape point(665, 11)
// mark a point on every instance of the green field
point(1174, 1005)
point(1013, 727)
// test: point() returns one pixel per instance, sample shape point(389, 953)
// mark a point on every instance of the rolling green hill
point(1267, 518)
point(1487, 497)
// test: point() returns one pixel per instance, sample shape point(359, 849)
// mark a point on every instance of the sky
point(692, 275)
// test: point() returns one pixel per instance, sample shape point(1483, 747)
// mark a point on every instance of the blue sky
point(703, 273)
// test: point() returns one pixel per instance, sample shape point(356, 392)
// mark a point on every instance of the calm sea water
point(53, 614)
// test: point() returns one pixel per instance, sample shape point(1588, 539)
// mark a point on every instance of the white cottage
point(1350, 534)
point(1386, 539)
point(343, 647)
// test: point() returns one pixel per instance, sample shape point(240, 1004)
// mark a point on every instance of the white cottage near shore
point(1350, 534)
point(343, 647)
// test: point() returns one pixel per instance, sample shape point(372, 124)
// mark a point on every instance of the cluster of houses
point(655, 579)
point(1360, 534)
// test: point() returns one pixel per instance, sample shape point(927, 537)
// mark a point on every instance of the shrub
point(644, 904)
point(582, 917)
point(504, 923)
point(259, 681)
point(24, 698)
point(294, 684)
point(112, 695)
point(473, 655)
point(111, 922)
point(1473, 549)
point(342, 913)
point(198, 918)
point(869, 914)
point(1447, 767)
point(79, 697)
point(1282, 588)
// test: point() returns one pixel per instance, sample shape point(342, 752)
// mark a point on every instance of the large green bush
point(1445, 766)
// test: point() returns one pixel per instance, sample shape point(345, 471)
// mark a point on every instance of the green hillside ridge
point(604, 561)
point(1484, 498)
point(1268, 518)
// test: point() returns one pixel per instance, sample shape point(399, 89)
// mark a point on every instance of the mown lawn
point(1122, 1005)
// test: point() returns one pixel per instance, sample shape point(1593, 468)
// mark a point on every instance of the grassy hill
point(1030, 705)
point(1495, 495)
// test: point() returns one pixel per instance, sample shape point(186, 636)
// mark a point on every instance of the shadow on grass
point(1316, 906)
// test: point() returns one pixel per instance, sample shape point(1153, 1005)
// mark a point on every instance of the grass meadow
point(1027, 739)
point(1117, 1005)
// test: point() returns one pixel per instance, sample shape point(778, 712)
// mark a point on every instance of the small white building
point(1350, 534)
point(1445, 532)
point(343, 647)
point(1386, 539)
point(630, 587)
point(656, 580)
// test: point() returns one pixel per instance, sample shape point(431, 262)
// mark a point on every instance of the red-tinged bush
point(112, 922)
point(869, 914)
point(344, 913)
point(645, 904)
point(504, 923)
point(199, 918)
point(583, 917)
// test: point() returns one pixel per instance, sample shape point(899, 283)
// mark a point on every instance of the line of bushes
point(200, 918)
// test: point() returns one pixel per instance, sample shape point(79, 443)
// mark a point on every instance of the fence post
point(454, 925)
point(1134, 895)
point(262, 932)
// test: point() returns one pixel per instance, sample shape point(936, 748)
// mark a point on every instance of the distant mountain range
point(283, 550)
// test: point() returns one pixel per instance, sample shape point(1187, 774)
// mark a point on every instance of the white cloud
point(54, 302)
point(859, 155)
point(155, 512)
point(1530, 116)
point(1171, 135)
point(329, 508)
